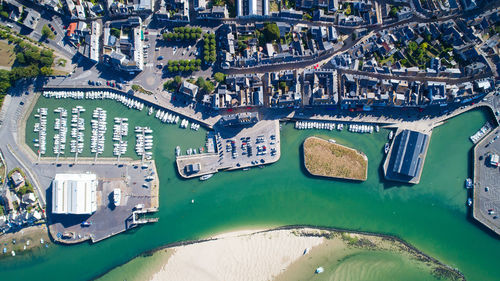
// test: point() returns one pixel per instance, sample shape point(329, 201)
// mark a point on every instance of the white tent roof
point(74, 194)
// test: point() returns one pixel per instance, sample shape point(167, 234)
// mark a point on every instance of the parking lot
point(487, 181)
point(237, 148)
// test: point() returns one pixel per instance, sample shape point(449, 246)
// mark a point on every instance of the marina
point(330, 126)
point(120, 130)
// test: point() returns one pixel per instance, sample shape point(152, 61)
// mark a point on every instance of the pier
point(235, 148)
point(413, 159)
point(486, 182)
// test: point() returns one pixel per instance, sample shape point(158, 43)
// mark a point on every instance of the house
point(28, 198)
point(173, 10)
point(216, 12)
point(189, 90)
point(17, 179)
point(32, 18)
point(126, 52)
point(239, 119)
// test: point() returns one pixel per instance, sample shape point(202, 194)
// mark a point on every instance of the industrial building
point(409, 147)
point(74, 194)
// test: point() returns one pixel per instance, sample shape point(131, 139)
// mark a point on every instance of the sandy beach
point(241, 255)
point(280, 254)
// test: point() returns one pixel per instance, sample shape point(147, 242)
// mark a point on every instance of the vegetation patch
point(183, 34)
point(137, 88)
point(7, 55)
point(322, 158)
point(209, 53)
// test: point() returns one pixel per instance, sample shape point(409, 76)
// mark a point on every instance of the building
point(239, 119)
point(216, 12)
point(74, 194)
point(192, 168)
point(124, 51)
point(251, 8)
point(189, 90)
point(410, 149)
point(17, 179)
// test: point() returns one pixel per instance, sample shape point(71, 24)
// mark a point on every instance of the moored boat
point(386, 148)
point(206, 177)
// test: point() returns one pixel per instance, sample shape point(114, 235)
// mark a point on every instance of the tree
point(393, 12)
point(208, 87)
point(47, 33)
point(46, 71)
point(20, 58)
point(181, 36)
point(175, 68)
point(177, 80)
point(115, 32)
point(46, 61)
point(412, 46)
point(200, 82)
point(283, 85)
point(182, 68)
point(219, 77)
point(198, 62)
point(193, 36)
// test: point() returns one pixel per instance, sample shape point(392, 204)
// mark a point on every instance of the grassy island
point(326, 159)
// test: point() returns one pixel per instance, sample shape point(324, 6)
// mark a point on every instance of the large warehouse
point(410, 149)
point(74, 194)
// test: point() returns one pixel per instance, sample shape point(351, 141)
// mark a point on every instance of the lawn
point(322, 158)
point(7, 55)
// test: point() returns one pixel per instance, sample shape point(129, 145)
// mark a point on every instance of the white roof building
point(74, 194)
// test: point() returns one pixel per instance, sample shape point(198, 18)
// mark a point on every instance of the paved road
point(14, 155)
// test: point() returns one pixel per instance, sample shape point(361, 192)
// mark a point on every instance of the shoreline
point(412, 250)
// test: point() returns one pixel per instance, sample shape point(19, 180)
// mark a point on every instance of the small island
point(328, 159)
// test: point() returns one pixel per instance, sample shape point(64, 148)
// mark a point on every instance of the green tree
point(165, 36)
point(20, 58)
point(46, 71)
point(219, 77)
point(412, 46)
point(208, 87)
point(393, 12)
point(4, 14)
point(4, 80)
point(177, 80)
point(198, 62)
point(47, 33)
point(115, 32)
point(182, 68)
point(282, 85)
point(46, 61)
point(271, 32)
point(200, 82)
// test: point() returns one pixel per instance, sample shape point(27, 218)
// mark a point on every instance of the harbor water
point(432, 215)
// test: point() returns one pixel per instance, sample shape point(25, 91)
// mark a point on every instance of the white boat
point(206, 177)
point(177, 150)
point(391, 135)
point(319, 270)
point(117, 194)
point(386, 148)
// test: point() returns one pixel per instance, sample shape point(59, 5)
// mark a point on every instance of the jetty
point(234, 148)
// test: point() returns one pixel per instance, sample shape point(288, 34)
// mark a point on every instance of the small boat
point(332, 141)
point(391, 135)
point(469, 202)
point(306, 251)
point(4, 250)
point(468, 183)
point(85, 223)
point(206, 177)
point(377, 128)
point(177, 150)
point(386, 148)
point(319, 270)
point(13, 253)
point(246, 169)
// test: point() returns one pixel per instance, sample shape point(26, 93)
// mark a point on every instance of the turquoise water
point(432, 215)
